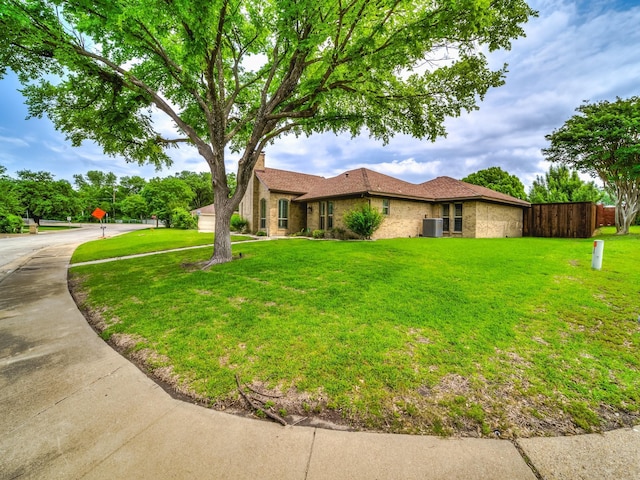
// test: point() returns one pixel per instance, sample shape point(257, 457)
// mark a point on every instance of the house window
point(323, 215)
point(283, 213)
point(386, 206)
point(263, 213)
point(329, 214)
point(445, 217)
point(457, 219)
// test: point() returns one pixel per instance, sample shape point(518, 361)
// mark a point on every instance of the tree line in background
point(603, 140)
point(37, 195)
point(559, 184)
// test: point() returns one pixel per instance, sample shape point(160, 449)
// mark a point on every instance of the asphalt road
point(16, 250)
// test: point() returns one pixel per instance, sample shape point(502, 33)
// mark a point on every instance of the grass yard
point(437, 336)
point(144, 241)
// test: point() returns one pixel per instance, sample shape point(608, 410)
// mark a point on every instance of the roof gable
point(447, 188)
point(362, 181)
point(286, 181)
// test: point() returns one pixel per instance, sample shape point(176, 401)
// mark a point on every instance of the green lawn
point(143, 241)
point(441, 336)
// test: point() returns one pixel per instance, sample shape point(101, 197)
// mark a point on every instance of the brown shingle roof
point(205, 209)
point(363, 181)
point(285, 181)
point(447, 188)
point(360, 182)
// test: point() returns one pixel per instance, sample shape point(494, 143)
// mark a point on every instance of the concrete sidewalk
point(71, 407)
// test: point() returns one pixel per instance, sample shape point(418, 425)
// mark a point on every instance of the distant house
point(280, 202)
point(206, 218)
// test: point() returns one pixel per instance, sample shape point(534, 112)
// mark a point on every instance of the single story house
point(280, 202)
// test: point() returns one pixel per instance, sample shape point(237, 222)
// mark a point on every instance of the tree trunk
point(222, 243)
point(627, 205)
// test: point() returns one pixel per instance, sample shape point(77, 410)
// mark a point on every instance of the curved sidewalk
point(71, 407)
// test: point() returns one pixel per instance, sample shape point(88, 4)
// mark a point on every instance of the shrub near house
point(363, 221)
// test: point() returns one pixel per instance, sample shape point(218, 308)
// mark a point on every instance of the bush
point(181, 218)
point(305, 232)
point(239, 224)
point(339, 233)
point(317, 234)
point(10, 223)
point(261, 233)
point(363, 220)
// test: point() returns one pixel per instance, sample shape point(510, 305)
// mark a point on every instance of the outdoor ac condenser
point(432, 227)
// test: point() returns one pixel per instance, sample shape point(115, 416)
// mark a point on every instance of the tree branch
point(256, 407)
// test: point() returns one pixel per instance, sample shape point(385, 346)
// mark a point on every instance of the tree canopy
point(9, 200)
point(44, 197)
point(560, 184)
point(497, 179)
point(603, 139)
point(97, 189)
point(163, 195)
point(237, 74)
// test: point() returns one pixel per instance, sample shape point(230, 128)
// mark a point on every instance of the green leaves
point(192, 60)
point(604, 139)
point(363, 220)
point(43, 196)
point(497, 179)
point(560, 184)
point(238, 74)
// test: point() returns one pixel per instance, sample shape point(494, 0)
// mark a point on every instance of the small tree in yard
point(363, 221)
point(182, 219)
point(603, 139)
point(238, 74)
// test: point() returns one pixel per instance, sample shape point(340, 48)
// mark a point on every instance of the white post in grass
point(596, 258)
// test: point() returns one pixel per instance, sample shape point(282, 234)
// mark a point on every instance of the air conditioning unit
point(432, 227)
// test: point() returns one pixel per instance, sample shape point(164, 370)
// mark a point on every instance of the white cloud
point(404, 168)
point(574, 51)
point(13, 141)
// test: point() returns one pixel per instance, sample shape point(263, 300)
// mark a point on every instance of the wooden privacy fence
point(566, 220)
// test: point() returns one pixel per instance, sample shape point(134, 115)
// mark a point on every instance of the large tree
point(237, 74)
point(43, 197)
point(200, 184)
point(497, 179)
point(9, 201)
point(163, 195)
point(10, 208)
point(97, 189)
point(560, 184)
point(603, 139)
point(135, 206)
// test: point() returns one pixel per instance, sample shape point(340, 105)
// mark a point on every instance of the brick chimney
point(260, 162)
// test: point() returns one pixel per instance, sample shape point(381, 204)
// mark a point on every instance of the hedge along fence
point(565, 220)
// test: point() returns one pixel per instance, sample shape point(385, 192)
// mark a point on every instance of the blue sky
point(574, 51)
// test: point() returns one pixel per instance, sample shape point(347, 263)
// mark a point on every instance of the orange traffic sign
point(98, 213)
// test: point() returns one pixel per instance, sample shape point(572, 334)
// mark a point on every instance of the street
point(16, 250)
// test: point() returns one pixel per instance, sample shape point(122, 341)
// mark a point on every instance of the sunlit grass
point(143, 241)
point(411, 335)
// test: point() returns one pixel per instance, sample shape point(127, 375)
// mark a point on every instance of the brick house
point(281, 202)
